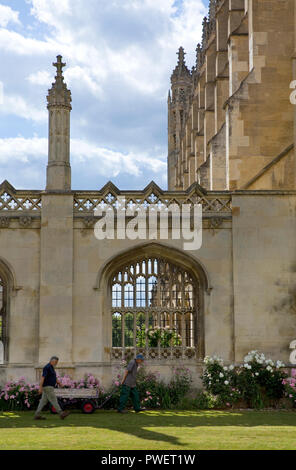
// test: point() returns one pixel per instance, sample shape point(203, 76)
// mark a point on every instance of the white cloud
point(119, 54)
point(18, 106)
point(42, 77)
point(13, 42)
point(106, 162)
point(21, 150)
point(7, 15)
point(48, 12)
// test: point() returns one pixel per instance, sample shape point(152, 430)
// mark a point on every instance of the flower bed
point(154, 392)
point(19, 396)
point(257, 383)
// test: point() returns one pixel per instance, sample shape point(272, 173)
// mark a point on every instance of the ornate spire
point(212, 10)
point(59, 95)
point(181, 70)
point(205, 28)
point(198, 57)
point(212, 15)
point(181, 56)
point(169, 96)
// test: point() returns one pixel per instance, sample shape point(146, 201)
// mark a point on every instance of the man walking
point(129, 386)
point(46, 388)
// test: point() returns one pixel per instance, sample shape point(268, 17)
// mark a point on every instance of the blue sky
point(119, 54)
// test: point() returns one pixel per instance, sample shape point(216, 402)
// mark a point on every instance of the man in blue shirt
point(46, 388)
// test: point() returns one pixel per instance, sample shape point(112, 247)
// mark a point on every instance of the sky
point(120, 55)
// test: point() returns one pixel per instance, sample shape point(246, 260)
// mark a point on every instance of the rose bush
point(258, 382)
point(19, 395)
point(290, 387)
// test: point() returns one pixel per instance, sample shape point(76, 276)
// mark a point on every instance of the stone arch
point(158, 250)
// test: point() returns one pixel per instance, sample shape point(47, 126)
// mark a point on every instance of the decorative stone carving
point(89, 221)
point(14, 200)
point(88, 201)
point(59, 95)
point(215, 223)
point(59, 107)
point(4, 222)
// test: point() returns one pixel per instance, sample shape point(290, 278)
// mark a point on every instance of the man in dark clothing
point(128, 386)
point(47, 384)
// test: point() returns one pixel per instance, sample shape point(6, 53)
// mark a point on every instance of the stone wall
point(60, 300)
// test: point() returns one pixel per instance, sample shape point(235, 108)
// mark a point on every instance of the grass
point(152, 430)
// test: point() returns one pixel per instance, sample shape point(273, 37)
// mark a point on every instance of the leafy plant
point(258, 382)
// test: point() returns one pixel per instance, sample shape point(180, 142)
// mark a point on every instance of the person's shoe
point(122, 411)
point(64, 414)
point(39, 417)
point(140, 409)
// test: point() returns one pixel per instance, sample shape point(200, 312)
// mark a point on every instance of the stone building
point(90, 301)
point(231, 124)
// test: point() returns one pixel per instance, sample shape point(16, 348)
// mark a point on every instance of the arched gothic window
point(154, 310)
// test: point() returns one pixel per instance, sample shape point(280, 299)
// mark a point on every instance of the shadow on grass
point(137, 424)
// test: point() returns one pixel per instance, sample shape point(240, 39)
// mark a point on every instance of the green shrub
point(258, 382)
point(204, 401)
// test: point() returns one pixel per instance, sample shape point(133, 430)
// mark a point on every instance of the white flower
point(269, 362)
point(257, 373)
point(231, 367)
point(225, 368)
point(221, 375)
point(226, 382)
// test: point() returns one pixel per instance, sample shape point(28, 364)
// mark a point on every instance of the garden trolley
point(84, 398)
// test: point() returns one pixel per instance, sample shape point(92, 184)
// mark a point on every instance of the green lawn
point(160, 430)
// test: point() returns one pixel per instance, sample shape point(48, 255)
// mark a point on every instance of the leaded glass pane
point(128, 330)
point(116, 295)
point(153, 306)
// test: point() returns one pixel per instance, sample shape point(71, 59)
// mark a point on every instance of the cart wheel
point(88, 407)
point(52, 408)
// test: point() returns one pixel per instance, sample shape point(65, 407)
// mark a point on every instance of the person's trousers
point(48, 395)
point(127, 392)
